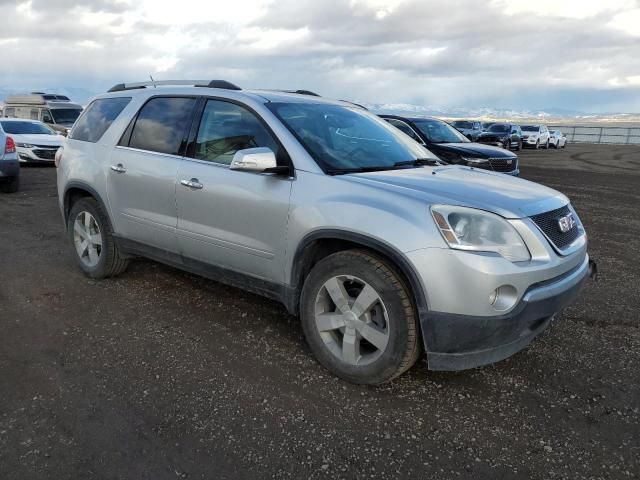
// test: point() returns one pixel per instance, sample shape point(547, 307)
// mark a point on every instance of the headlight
point(472, 229)
point(474, 160)
point(24, 145)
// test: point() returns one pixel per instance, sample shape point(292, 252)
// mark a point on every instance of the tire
point(519, 147)
point(537, 147)
point(547, 145)
point(11, 186)
point(392, 317)
point(109, 262)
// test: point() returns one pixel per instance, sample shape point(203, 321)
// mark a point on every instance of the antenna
point(153, 81)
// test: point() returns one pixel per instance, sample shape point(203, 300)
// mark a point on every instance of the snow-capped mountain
point(550, 114)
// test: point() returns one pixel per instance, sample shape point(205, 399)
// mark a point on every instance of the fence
point(619, 135)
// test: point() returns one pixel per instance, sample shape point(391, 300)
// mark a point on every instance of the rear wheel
point(91, 235)
point(11, 186)
point(358, 318)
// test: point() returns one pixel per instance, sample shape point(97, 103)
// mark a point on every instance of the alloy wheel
point(87, 239)
point(352, 320)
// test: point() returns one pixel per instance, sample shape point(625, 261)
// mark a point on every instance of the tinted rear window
point(97, 118)
point(162, 124)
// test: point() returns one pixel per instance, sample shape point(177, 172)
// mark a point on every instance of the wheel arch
point(76, 190)
point(319, 244)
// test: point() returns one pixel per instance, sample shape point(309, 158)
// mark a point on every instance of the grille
point(46, 154)
point(503, 165)
point(548, 223)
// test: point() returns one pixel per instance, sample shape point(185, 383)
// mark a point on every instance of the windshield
point(65, 115)
point(26, 128)
point(500, 128)
point(530, 128)
point(440, 132)
point(463, 124)
point(347, 139)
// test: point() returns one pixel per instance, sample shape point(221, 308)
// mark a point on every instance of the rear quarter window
point(162, 124)
point(97, 118)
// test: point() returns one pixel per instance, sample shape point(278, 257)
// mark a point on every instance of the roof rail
point(194, 83)
point(300, 92)
point(354, 103)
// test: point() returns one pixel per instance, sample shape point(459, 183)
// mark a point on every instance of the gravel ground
point(159, 374)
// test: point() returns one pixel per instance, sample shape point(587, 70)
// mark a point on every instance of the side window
point(96, 118)
point(34, 114)
point(404, 128)
point(46, 116)
point(226, 128)
point(10, 112)
point(476, 126)
point(162, 124)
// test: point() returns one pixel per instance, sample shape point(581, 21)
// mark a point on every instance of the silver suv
point(325, 207)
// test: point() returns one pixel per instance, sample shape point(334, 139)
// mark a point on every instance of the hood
point(456, 185)
point(494, 135)
point(528, 134)
point(477, 150)
point(48, 140)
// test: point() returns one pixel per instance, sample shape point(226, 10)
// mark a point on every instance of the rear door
point(233, 219)
point(142, 175)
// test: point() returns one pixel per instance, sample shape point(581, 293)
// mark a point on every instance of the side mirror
point(257, 160)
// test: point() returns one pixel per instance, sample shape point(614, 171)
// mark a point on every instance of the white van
point(57, 111)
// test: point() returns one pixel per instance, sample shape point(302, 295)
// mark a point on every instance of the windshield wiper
point(340, 171)
point(418, 162)
point(380, 168)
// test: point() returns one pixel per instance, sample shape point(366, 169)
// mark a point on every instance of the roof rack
point(354, 103)
point(302, 92)
point(193, 83)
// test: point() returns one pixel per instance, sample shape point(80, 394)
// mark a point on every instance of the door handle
point(193, 183)
point(118, 168)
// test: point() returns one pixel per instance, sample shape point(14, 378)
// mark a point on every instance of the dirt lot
point(159, 374)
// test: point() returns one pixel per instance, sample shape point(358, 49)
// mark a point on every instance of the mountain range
point(82, 95)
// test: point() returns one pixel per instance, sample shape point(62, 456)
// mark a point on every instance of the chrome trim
point(556, 288)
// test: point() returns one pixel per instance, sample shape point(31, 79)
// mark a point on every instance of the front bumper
point(37, 154)
point(458, 342)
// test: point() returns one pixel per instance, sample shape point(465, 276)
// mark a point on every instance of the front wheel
point(358, 318)
point(519, 147)
point(90, 233)
point(537, 144)
point(546, 147)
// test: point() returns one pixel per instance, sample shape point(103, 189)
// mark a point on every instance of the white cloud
point(457, 52)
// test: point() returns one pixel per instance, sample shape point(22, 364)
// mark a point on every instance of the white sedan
point(35, 141)
point(557, 139)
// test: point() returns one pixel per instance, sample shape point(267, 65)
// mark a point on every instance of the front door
point(232, 219)
point(141, 182)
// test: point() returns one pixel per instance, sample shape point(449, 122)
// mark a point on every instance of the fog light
point(503, 298)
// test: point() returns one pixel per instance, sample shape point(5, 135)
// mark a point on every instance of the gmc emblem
point(566, 223)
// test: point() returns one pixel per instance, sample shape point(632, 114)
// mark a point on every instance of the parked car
point(486, 125)
point(9, 164)
point(329, 209)
point(57, 111)
point(557, 139)
point(535, 136)
point(35, 142)
point(505, 135)
point(451, 146)
point(470, 129)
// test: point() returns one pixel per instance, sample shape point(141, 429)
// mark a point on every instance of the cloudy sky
point(572, 54)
